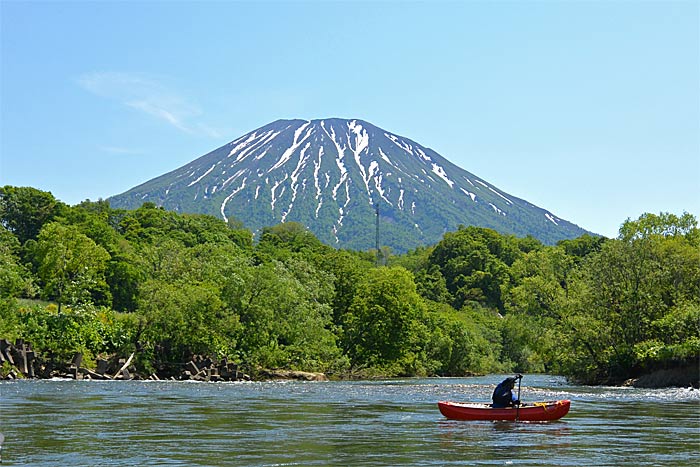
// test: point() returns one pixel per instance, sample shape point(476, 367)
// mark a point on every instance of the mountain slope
point(331, 175)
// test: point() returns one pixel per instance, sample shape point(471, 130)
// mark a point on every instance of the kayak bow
point(536, 412)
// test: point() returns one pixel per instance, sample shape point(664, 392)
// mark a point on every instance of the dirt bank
point(688, 376)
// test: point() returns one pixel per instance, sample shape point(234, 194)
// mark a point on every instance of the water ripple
point(393, 422)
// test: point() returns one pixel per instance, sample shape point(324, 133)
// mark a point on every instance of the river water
point(394, 422)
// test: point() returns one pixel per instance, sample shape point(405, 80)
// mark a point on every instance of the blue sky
point(588, 109)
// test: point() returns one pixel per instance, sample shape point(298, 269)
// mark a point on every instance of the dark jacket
point(503, 394)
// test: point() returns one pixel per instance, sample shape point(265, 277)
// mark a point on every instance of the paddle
point(519, 377)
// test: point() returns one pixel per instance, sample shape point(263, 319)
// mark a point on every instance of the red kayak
point(534, 412)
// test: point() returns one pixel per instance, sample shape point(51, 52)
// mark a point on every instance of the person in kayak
point(503, 394)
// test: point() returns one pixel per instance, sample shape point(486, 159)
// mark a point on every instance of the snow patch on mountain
point(262, 141)
point(440, 172)
point(290, 150)
point(551, 218)
point(423, 155)
point(228, 198)
point(496, 209)
point(400, 143)
point(494, 191)
point(202, 176)
point(361, 142)
point(317, 182)
point(294, 178)
point(468, 193)
point(274, 189)
point(383, 155)
point(242, 145)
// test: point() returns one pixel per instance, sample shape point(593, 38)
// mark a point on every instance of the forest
point(166, 286)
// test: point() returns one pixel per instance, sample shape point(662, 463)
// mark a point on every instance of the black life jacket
point(503, 395)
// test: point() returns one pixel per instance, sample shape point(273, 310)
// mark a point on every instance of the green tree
point(582, 246)
point(100, 223)
point(182, 298)
point(97, 221)
point(71, 266)
point(474, 263)
point(123, 277)
point(285, 311)
point(540, 280)
point(184, 318)
point(15, 279)
point(291, 236)
point(663, 224)
point(346, 269)
point(628, 292)
point(464, 343)
point(386, 322)
point(25, 210)
point(84, 329)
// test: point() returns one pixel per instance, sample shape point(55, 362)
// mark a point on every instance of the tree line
point(102, 281)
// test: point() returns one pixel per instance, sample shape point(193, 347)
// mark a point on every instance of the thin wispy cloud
point(149, 95)
point(153, 107)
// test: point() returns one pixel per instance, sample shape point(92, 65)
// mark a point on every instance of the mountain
point(332, 175)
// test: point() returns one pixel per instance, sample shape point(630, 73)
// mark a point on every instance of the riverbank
point(20, 361)
point(684, 377)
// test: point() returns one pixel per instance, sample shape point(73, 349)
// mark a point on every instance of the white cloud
point(150, 95)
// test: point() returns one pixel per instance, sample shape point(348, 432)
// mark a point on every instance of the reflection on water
point(82, 423)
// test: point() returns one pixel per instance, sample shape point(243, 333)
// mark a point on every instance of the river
point(371, 423)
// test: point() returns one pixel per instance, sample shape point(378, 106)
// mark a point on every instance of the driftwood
point(123, 370)
point(95, 375)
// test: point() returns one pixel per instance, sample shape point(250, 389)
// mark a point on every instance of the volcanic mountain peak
point(332, 175)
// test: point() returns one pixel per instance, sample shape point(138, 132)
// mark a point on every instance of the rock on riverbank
point(295, 375)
